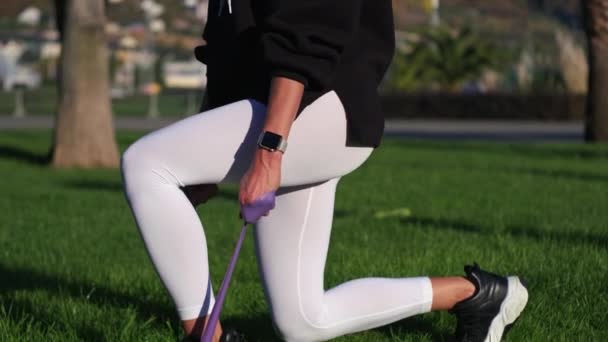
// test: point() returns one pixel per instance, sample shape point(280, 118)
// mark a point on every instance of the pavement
point(485, 130)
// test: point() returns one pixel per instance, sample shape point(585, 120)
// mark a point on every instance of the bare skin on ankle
point(448, 291)
point(194, 328)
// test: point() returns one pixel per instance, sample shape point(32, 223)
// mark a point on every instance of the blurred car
point(184, 75)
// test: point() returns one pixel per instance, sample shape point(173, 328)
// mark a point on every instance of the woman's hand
point(263, 176)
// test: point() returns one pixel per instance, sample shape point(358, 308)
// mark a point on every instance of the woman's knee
point(296, 326)
point(130, 160)
point(299, 332)
point(137, 165)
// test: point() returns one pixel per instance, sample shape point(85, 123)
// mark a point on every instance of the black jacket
point(340, 45)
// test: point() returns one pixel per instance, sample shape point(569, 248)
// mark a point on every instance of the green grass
point(72, 266)
point(43, 101)
point(39, 101)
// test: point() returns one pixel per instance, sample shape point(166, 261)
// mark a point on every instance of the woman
point(303, 72)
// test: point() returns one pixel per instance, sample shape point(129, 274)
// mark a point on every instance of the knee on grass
point(297, 328)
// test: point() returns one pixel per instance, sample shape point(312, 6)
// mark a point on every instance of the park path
point(516, 131)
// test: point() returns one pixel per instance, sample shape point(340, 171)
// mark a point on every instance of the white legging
point(291, 243)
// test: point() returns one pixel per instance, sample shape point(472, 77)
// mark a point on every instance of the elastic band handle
point(251, 213)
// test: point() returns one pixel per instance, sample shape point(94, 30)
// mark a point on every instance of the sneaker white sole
point(510, 309)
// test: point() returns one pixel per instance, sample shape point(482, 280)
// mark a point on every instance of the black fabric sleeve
point(304, 39)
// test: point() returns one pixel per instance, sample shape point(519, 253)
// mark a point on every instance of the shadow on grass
point(585, 152)
point(559, 174)
point(23, 155)
point(600, 241)
point(112, 185)
point(541, 235)
point(94, 185)
point(442, 224)
point(15, 279)
point(417, 324)
point(537, 151)
point(259, 328)
point(437, 164)
point(256, 328)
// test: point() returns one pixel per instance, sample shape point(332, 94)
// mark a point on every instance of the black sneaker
point(227, 336)
point(497, 303)
point(232, 336)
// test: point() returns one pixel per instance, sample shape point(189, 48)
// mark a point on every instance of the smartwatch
point(272, 142)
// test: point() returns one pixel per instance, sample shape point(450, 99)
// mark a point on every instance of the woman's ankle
point(449, 291)
point(194, 328)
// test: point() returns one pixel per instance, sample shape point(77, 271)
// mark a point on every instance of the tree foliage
point(445, 59)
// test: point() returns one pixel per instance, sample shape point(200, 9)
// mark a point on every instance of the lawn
point(43, 101)
point(72, 266)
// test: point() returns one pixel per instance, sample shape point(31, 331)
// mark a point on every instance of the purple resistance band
point(251, 214)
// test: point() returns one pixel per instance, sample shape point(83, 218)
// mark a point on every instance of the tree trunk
point(84, 129)
point(596, 20)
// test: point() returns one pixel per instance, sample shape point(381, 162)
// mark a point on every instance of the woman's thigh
point(291, 247)
point(217, 146)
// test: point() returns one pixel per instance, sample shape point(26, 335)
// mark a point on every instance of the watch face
point(271, 140)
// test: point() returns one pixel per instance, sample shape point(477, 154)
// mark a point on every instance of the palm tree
point(445, 58)
point(84, 130)
point(596, 20)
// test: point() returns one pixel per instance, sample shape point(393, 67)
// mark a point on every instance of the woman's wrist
point(267, 158)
